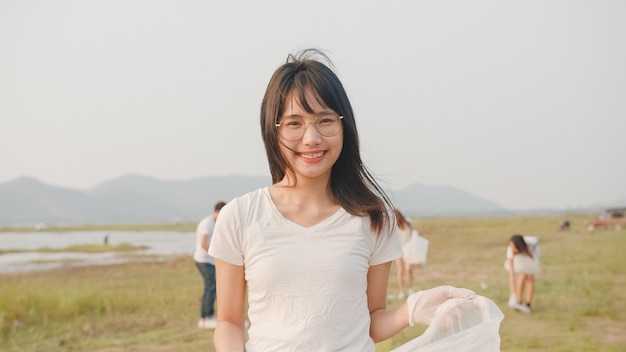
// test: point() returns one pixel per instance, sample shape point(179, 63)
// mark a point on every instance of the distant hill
point(420, 200)
point(128, 199)
point(27, 200)
point(143, 199)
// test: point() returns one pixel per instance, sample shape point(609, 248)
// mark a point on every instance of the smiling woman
point(312, 252)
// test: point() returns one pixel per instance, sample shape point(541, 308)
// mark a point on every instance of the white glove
point(423, 304)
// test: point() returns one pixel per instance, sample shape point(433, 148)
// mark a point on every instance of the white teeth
point(312, 156)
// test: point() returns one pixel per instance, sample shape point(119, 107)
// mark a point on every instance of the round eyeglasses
point(292, 128)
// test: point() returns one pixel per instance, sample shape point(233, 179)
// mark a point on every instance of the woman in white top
point(404, 270)
point(522, 259)
point(314, 249)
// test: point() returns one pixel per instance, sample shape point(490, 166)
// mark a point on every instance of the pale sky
point(519, 102)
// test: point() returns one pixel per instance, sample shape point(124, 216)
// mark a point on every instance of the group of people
point(312, 252)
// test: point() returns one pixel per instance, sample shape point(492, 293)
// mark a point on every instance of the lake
point(160, 244)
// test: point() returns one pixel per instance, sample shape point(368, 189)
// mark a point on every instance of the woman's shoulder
point(243, 204)
point(250, 197)
point(239, 211)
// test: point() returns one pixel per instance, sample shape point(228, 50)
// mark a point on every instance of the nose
point(311, 135)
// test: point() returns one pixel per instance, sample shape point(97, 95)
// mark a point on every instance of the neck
point(305, 190)
point(316, 184)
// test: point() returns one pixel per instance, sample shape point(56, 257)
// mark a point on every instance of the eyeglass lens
point(293, 127)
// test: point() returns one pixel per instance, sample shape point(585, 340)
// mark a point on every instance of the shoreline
point(67, 267)
point(44, 251)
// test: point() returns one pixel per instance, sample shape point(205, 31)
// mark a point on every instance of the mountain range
point(142, 199)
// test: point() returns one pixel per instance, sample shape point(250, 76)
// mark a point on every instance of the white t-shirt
point(532, 242)
point(306, 285)
point(523, 263)
point(205, 227)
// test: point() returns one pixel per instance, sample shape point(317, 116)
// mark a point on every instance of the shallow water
point(159, 243)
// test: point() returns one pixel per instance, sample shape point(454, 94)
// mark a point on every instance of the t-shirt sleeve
point(201, 229)
point(387, 247)
point(226, 244)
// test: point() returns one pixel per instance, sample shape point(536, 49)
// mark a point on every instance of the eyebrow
point(325, 111)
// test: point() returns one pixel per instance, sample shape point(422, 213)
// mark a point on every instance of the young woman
point(314, 249)
point(404, 270)
point(522, 259)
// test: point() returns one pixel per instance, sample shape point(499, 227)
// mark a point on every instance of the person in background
point(404, 270)
point(311, 252)
point(522, 259)
point(206, 266)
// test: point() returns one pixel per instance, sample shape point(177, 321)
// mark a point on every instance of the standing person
point(206, 266)
point(403, 268)
point(522, 259)
point(314, 249)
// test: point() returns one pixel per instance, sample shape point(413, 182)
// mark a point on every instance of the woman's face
point(515, 250)
point(313, 155)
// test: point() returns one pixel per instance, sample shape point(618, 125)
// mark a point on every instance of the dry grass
point(153, 306)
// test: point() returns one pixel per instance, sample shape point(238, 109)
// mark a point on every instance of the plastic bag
point(416, 250)
point(460, 325)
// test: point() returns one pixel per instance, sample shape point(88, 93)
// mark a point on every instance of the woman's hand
point(423, 304)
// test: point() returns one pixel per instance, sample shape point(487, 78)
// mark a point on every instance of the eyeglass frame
point(277, 124)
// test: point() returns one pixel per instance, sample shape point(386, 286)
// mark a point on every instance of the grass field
point(153, 306)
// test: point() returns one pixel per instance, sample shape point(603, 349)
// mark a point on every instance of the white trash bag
point(460, 325)
point(416, 250)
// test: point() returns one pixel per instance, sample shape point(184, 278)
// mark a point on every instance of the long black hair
point(520, 244)
point(305, 77)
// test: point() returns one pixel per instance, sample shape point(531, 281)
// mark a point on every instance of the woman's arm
point(419, 308)
point(511, 276)
point(204, 240)
point(384, 324)
point(231, 295)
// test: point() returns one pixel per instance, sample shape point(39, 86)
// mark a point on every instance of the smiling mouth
point(312, 155)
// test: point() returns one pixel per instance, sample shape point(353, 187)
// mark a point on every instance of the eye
point(291, 122)
point(327, 119)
